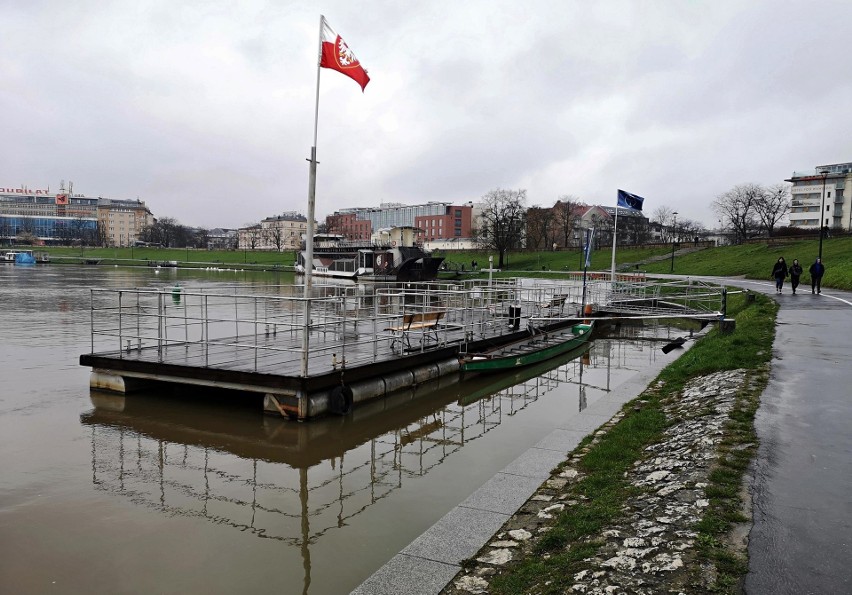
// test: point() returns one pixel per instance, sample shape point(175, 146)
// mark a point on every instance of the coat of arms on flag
point(630, 201)
point(337, 56)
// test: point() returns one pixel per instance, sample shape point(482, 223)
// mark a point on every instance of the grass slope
point(601, 494)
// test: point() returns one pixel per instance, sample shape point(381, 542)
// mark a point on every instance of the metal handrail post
point(160, 324)
point(343, 346)
point(206, 330)
point(375, 328)
point(185, 321)
point(306, 338)
point(138, 323)
point(120, 329)
point(92, 319)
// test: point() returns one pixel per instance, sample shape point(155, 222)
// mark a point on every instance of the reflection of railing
point(297, 505)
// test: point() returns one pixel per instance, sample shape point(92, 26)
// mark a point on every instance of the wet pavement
point(801, 541)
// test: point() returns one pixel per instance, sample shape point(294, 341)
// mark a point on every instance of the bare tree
point(772, 206)
point(102, 234)
point(566, 217)
point(664, 216)
point(254, 234)
point(201, 238)
point(275, 235)
point(737, 211)
point(501, 221)
point(688, 230)
point(539, 225)
point(603, 230)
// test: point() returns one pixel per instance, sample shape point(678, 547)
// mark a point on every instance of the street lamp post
point(821, 213)
point(674, 231)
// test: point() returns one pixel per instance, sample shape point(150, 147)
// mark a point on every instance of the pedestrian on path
point(779, 272)
point(817, 270)
point(795, 273)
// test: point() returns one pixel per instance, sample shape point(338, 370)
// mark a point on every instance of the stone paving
point(651, 549)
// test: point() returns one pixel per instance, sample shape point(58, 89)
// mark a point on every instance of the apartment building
point(822, 197)
point(121, 221)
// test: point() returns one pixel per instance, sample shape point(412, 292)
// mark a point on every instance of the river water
point(187, 493)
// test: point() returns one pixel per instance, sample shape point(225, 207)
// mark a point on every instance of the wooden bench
point(556, 302)
point(426, 322)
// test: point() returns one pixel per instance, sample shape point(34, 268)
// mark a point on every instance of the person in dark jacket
point(779, 272)
point(795, 273)
point(817, 270)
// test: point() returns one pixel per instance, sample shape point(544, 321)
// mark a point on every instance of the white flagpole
point(309, 240)
point(614, 236)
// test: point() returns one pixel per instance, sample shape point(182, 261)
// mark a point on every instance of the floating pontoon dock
point(358, 342)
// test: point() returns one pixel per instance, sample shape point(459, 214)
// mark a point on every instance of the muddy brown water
point(177, 492)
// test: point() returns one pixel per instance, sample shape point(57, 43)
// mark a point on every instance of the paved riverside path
point(801, 541)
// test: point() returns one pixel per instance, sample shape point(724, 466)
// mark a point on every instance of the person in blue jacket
point(817, 270)
point(779, 272)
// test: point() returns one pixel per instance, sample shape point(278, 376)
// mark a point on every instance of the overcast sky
point(205, 109)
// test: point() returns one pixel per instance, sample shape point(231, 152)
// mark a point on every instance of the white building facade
point(822, 197)
point(279, 233)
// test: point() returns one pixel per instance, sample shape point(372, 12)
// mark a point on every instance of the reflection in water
point(294, 482)
point(298, 495)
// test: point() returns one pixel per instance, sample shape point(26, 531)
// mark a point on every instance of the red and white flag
point(337, 56)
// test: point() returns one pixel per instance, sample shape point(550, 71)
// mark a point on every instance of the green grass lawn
point(755, 261)
point(750, 260)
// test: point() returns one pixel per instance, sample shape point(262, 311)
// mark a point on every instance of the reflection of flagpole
point(309, 240)
point(306, 531)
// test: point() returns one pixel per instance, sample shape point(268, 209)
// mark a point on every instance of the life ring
point(340, 400)
point(393, 242)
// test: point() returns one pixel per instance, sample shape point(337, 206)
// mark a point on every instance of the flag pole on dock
point(628, 201)
point(333, 53)
point(587, 261)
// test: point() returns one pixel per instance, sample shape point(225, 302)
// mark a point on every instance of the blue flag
point(630, 201)
point(587, 250)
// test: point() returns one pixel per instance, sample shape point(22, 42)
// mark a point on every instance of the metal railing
point(264, 327)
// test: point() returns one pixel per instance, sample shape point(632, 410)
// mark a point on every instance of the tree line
point(752, 210)
point(504, 223)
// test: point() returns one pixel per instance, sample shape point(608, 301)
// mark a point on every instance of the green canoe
point(531, 350)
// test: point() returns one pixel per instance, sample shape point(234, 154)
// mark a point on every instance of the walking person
point(817, 270)
point(779, 272)
point(795, 273)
